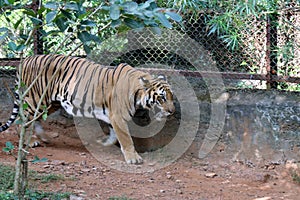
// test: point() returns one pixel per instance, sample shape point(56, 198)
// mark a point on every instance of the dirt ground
point(187, 178)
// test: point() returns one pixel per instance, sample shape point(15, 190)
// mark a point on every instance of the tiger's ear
point(162, 77)
point(144, 81)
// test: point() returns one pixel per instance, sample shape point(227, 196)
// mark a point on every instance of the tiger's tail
point(13, 116)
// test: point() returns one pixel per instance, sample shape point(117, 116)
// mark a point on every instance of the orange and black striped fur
point(84, 88)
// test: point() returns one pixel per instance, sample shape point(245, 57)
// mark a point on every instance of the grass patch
point(45, 178)
point(7, 174)
point(295, 177)
point(119, 198)
point(35, 195)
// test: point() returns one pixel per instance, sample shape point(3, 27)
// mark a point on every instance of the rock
point(262, 198)
point(210, 175)
point(178, 191)
point(152, 164)
point(151, 180)
point(58, 162)
point(46, 166)
point(162, 191)
point(169, 176)
point(79, 192)
point(85, 170)
point(74, 197)
point(290, 165)
point(54, 134)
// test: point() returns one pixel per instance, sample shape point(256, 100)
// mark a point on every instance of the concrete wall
point(260, 125)
point(263, 125)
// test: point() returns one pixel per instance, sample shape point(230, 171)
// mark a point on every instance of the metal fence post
point(271, 51)
point(38, 42)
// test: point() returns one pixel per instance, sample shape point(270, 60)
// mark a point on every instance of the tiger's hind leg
point(39, 135)
point(111, 139)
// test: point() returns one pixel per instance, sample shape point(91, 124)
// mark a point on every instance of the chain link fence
point(267, 55)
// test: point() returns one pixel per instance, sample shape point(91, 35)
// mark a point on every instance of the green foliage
point(45, 178)
point(119, 198)
point(36, 159)
point(224, 18)
point(35, 195)
point(25, 106)
point(7, 174)
point(295, 176)
point(86, 22)
point(8, 147)
point(45, 113)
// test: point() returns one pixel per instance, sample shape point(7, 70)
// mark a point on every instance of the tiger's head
point(157, 92)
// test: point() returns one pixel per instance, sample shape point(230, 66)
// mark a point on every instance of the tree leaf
point(36, 159)
point(133, 23)
point(163, 20)
point(44, 116)
point(5, 149)
point(25, 106)
point(18, 122)
point(114, 12)
point(29, 12)
point(85, 37)
point(176, 17)
point(8, 147)
point(3, 29)
point(20, 47)
point(130, 6)
point(151, 23)
point(36, 21)
point(87, 49)
point(67, 14)
point(60, 23)
point(149, 13)
point(12, 46)
point(2, 37)
point(71, 6)
point(16, 25)
point(10, 2)
point(50, 16)
point(4, 32)
point(88, 23)
point(145, 5)
point(156, 30)
point(116, 23)
point(51, 5)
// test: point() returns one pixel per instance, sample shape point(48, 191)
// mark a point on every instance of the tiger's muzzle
point(167, 109)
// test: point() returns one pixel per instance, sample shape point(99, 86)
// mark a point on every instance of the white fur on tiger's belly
point(96, 113)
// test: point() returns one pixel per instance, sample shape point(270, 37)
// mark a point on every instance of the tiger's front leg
point(125, 140)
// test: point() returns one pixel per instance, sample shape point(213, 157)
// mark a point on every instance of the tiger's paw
point(37, 141)
point(133, 158)
point(34, 143)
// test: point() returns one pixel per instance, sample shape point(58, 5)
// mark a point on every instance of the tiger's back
point(83, 88)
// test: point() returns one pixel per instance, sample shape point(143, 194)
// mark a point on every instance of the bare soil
point(187, 178)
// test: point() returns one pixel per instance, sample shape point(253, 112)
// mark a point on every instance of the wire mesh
point(267, 51)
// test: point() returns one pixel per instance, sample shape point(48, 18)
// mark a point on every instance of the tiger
point(84, 88)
